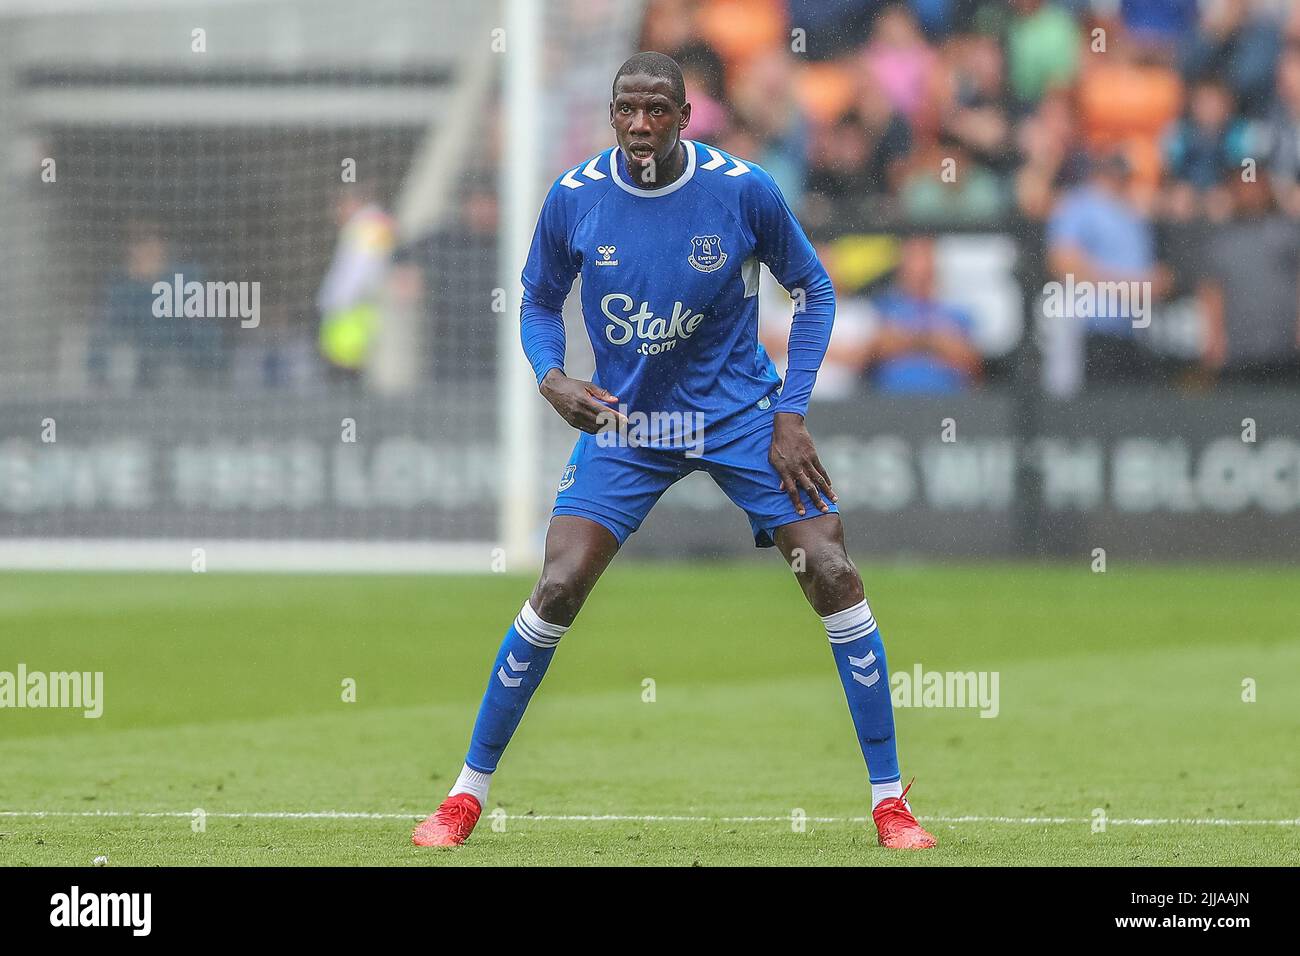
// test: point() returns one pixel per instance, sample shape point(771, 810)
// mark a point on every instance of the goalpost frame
point(520, 200)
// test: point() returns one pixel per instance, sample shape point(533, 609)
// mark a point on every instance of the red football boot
point(896, 828)
point(451, 824)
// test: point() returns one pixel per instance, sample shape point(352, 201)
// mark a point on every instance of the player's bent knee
point(558, 597)
point(835, 583)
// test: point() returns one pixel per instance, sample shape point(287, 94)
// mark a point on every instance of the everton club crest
point(706, 253)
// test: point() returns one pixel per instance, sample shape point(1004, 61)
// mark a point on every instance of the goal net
point(259, 270)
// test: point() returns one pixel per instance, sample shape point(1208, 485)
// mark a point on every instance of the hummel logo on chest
point(606, 256)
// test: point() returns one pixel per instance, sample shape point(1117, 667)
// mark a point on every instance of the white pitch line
point(620, 818)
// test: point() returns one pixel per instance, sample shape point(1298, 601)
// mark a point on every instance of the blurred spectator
point(739, 140)
point(1279, 145)
point(742, 29)
point(764, 98)
point(704, 74)
point(971, 96)
point(281, 355)
point(862, 154)
point(861, 158)
point(455, 291)
point(827, 91)
point(900, 62)
point(939, 18)
point(1250, 291)
point(349, 295)
point(1201, 149)
point(154, 346)
point(1042, 49)
point(832, 27)
point(669, 26)
point(1240, 41)
point(1097, 236)
point(920, 345)
point(840, 374)
point(1165, 22)
point(944, 184)
point(1290, 17)
point(1129, 97)
point(1051, 156)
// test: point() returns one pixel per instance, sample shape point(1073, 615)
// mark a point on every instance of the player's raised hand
point(795, 459)
point(584, 405)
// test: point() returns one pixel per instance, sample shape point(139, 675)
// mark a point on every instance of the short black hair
point(656, 65)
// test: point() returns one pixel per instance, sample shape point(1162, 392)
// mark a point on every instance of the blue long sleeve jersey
point(670, 287)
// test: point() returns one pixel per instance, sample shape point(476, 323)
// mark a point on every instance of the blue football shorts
point(616, 486)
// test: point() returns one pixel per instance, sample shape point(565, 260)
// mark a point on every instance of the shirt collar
point(616, 171)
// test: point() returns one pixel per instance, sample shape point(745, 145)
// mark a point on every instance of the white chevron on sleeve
point(717, 158)
point(739, 169)
point(569, 181)
point(590, 170)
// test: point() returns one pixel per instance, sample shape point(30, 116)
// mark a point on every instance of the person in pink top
point(900, 62)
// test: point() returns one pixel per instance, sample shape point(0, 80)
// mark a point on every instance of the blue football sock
point(521, 663)
point(860, 659)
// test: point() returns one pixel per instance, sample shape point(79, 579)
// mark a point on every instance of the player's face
point(647, 120)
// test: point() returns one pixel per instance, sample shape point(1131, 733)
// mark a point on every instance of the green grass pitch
point(1121, 691)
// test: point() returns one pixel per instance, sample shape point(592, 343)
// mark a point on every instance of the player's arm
point(793, 454)
point(783, 246)
point(547, 278)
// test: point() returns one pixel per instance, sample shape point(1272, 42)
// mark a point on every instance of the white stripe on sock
point(850, 624)
point(533, 637)
point(536, 631)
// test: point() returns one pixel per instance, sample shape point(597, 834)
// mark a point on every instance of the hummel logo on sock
point(516, 667)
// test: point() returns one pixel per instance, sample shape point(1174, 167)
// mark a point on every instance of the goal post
point(520, 192)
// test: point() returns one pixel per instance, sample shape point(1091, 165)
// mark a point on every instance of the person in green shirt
point(1043, 44)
